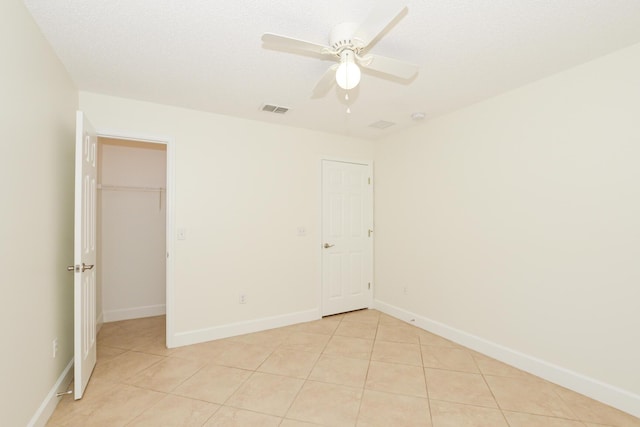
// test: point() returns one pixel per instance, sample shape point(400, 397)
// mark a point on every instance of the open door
point(84, 256)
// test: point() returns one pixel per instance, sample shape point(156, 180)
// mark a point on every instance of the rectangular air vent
point(381, 124)
point(274, 109)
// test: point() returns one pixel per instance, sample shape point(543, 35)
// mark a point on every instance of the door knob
point(71, 267)
point(87, 266)
point(327, 246)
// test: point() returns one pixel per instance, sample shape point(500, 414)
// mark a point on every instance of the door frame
point(170, 212)
point(369, 164)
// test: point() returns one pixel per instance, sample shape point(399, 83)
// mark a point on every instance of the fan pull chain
point(346, 98)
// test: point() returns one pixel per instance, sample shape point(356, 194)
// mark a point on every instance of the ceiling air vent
point(274, 109)
point(381, 124)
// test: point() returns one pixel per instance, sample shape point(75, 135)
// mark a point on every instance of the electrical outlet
point(243, 299)
point(55, 347)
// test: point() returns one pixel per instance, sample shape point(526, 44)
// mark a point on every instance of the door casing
point(170, 220)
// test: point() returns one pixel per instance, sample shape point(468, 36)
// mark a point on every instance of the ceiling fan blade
point(378, 20)
point(394, 67)
point(325, 83)
point(284, 42)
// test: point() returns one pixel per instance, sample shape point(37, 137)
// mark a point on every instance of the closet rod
point(128, 188)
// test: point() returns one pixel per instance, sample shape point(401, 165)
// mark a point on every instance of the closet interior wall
point(131, 228)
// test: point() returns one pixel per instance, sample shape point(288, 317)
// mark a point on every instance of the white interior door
point(347, 239)
point(84, 256)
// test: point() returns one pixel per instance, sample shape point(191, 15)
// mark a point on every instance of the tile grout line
point(502, 410)
point(424, 375)
point(311, 370)
point(484, 379)
point(366, 376)
point(146, 409)
point(119, 383)
point(559, 396)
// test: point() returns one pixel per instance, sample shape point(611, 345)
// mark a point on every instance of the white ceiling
point(207, 54)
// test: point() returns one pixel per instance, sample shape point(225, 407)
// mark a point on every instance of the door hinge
point(369, 286)
point(369, 231)
point(369, 180)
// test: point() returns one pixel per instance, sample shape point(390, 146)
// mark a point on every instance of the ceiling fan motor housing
point(341, 37)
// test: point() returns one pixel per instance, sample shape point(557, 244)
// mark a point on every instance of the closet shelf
point(129, 188)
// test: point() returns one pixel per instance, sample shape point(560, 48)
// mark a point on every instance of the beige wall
point(242, 189)
point(37, 112)
point(132, 247)
point(517, 220)
point(514, 220)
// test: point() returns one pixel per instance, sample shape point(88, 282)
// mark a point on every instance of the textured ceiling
point(208, 55)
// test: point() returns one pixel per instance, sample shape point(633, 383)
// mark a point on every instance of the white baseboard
point(134, 312)
point(598, 390)
point(239, 328)
point(50, 402)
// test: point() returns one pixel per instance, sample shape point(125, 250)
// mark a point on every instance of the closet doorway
point(132, 229)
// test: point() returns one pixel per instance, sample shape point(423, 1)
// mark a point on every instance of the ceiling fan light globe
point(348, 75)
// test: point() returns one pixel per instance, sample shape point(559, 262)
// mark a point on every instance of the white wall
point(242, 189)
point(37, 113)
point(517, 221)
point(132, 260)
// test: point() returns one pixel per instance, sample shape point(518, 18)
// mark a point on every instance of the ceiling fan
point(348, 44)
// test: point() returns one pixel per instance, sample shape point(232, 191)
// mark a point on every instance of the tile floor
point(357, 369)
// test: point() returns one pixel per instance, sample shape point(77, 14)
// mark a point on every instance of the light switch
point(182, 233)
point(302, 231)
